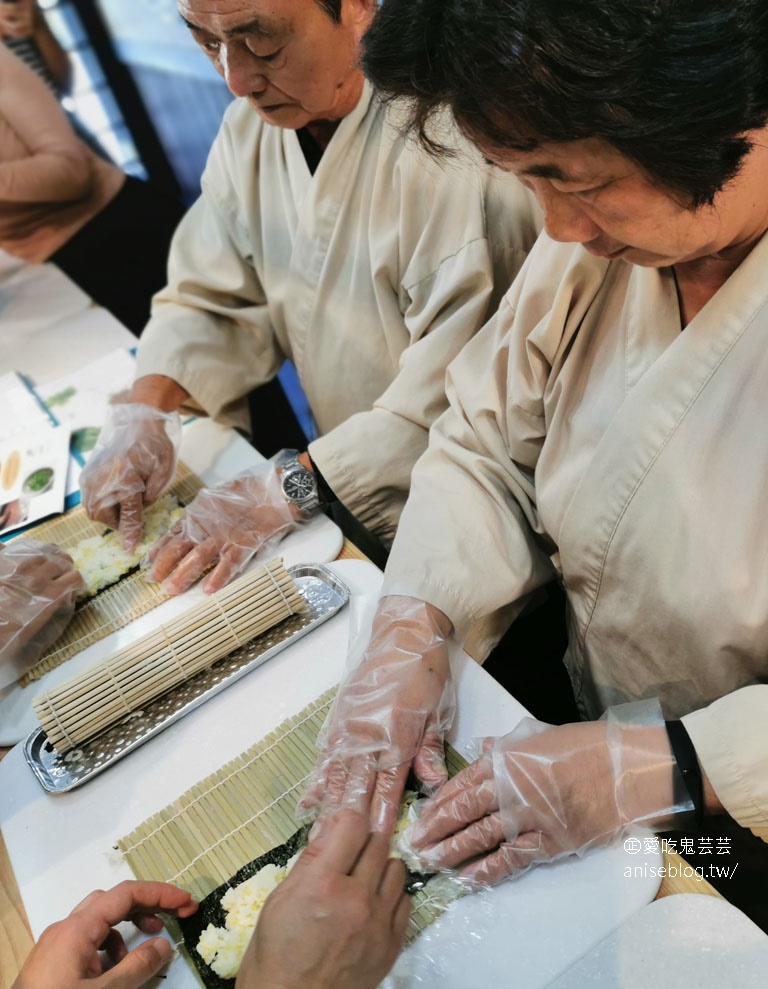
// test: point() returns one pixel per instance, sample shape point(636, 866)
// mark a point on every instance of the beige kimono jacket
point(370, 275)
point(587, 432)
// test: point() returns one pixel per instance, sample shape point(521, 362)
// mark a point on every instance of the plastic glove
point(38, 588)
point(225, 525)
point(541, 793)
point(391, 712)
point(67, 954)
point(337, 921)
point(133, 461)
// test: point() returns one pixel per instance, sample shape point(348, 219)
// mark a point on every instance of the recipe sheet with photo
point(19, 408)
point(33, 474)
point(80, 401)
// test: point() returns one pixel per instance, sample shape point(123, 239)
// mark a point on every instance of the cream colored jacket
point(588, 433)
point(370, 275)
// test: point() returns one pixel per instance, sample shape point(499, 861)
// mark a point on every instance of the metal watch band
point(297, 482)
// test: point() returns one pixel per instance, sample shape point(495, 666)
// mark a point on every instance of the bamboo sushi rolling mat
point(116, 606)
point(88, 704)
point(243, 811)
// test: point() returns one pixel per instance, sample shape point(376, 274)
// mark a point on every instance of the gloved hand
point(38, 587)
point(226, 525)
point(391, 712)
point(134, 459)
point(541, 793)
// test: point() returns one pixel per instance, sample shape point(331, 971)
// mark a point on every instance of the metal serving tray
point(324, 593)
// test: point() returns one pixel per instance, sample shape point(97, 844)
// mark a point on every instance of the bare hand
point(85, 950)
point(17, 20)
point(337, 921)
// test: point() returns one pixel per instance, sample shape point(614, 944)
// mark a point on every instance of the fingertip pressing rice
point(222, 948)
point(102, 560)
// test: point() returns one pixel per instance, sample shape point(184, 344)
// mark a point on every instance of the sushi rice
point(222, 948)
point(102, 561)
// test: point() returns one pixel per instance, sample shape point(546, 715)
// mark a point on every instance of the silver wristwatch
point(297, 482)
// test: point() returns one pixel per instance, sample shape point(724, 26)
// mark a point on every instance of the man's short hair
point(332, 9)
point(672, 84)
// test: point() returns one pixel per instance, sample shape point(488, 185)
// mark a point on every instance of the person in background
point(38, 591)
point(336, 922)
point(604, 425)
point(324, 236)
point(25, 31)
point(60, 202)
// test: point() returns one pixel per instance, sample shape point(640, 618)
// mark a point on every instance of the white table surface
point(679, 941)
point(61, 846)
point(214, 453)
point(48, 326)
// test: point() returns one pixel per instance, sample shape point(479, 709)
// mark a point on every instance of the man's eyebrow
point(255, 27)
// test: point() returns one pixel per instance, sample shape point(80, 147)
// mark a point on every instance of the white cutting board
point(214, 453)
point(61, 847)
point(682, 940)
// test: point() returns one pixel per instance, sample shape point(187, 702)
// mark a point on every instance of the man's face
point(288, 58)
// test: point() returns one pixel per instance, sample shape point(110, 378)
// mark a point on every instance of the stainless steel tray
point(324, 593)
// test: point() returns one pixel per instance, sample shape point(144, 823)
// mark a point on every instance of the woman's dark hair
point(672, 84)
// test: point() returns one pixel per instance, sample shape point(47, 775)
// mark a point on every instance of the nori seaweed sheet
point(211, 911)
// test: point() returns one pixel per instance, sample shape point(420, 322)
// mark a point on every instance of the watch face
point(299, 485)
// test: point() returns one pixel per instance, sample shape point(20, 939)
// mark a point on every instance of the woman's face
point(593, 195)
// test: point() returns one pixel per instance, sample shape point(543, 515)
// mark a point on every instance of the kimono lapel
point(659, 400)
point(318, 214)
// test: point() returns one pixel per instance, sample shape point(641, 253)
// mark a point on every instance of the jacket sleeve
point(470, 539)
point(210, 328)
point(367, 460)
point(731, 743)
point(55, 166)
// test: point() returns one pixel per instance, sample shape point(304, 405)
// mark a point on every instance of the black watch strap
point(689, 781)
point(324, 490)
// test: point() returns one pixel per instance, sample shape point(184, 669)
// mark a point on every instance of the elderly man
point(323, 236)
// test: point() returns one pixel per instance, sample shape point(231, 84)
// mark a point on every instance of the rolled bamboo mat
point(86, 705)
point(116, 606)
point(242, 811)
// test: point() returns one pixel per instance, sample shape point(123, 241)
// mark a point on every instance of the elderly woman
point(608, 422)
